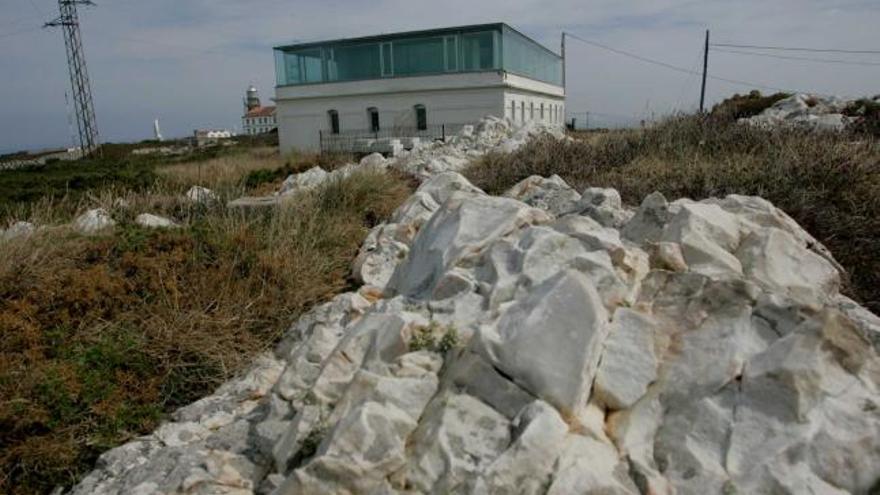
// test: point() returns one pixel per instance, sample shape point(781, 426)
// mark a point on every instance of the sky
point(188, 62)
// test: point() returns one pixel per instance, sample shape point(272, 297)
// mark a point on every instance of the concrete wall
point(302, 111)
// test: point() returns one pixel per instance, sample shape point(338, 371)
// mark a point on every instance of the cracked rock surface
point(548, 342)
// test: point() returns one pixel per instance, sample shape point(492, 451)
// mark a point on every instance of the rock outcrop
point(93, 221)
point(806, 110)
point(548, 342)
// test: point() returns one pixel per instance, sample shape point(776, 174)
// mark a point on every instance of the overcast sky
point(188, 62)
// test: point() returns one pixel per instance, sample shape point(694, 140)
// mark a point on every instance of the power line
point(806, 59)
point(20, 31)
point(679, 69)
point(796, 49)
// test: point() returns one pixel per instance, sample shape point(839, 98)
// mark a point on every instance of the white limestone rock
point(551, 341)
point(456, 440)
point(707, 235)
point(527, 465)
point(93, 221)
point(604, 206)
point(459, 231)
point(303, 181)
point(154, 221)
point(586, 465)
point(629, 363)
point(373, 161)
point(379, 256)
point(200, 195)
point(551, 194)
point(776, 261)
point(17, 230)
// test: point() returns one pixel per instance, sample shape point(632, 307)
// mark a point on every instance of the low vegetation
point(745, 106)
point(828, 182)
point(103, 335)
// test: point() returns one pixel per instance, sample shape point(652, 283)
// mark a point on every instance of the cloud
point(187, 62)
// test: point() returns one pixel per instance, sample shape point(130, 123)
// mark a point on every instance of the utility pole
point(68, 20)
point(563, 60)
point(705, 68)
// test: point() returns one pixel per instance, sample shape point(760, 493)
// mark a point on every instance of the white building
point(418, 84)
point(257, 119)
point(204, 137)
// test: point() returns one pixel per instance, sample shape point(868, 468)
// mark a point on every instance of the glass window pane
point(387, 64)
point(280, 75)
point(526, 58)
point(312, 67)
point(477, 51)
point(357, 62)
point(418, 56)
point(451, 53)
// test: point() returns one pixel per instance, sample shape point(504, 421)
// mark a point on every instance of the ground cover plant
point(103, 335)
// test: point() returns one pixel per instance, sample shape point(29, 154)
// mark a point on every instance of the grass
point(102, 336)
point(828, 182)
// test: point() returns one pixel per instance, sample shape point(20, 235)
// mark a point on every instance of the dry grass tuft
point(103, 335)
point(223, 171)
point(828, 182)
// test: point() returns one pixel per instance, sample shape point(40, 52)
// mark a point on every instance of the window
point(373, 117)
point(419, 56)
point(334, 121)
point(421, 118)
point(451, 53)
point(542, 112)
point(512, 110)
point(532, 111)
point(348, 63)
point(478, 50)
point(522, 111)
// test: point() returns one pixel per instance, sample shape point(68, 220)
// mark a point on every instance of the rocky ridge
point(547, 341)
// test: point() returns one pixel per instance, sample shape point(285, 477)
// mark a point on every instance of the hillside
point(552, 339)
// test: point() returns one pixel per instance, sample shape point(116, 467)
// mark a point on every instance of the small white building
point(257, 119)
point(205, 137)
point(423, 84)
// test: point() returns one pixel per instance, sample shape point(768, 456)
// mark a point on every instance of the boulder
point(93, 221)
point(17, 230)
point(550, 342)
point(304, 181)
point(200, 195)
point(460, 230)
point(373, 161)
point(154, 221)
point(552, 194)
point(458, 437)
point(629, 362)
point(604, 206)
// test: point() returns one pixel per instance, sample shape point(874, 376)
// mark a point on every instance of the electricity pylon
point(79, 76)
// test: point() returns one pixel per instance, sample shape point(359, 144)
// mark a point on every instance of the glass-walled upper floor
point(467, 49)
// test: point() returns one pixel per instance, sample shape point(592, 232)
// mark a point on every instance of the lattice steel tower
point(79, 76)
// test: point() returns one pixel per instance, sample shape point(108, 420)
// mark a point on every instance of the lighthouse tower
point(252, 99)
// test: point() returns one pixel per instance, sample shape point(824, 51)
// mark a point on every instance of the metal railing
point(385, 140)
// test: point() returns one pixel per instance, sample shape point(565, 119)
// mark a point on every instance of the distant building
point(423, 84)
point(204, 137)
point(257, 119)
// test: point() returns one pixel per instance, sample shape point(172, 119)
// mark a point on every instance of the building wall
point(302, 111)
point(257, 125)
